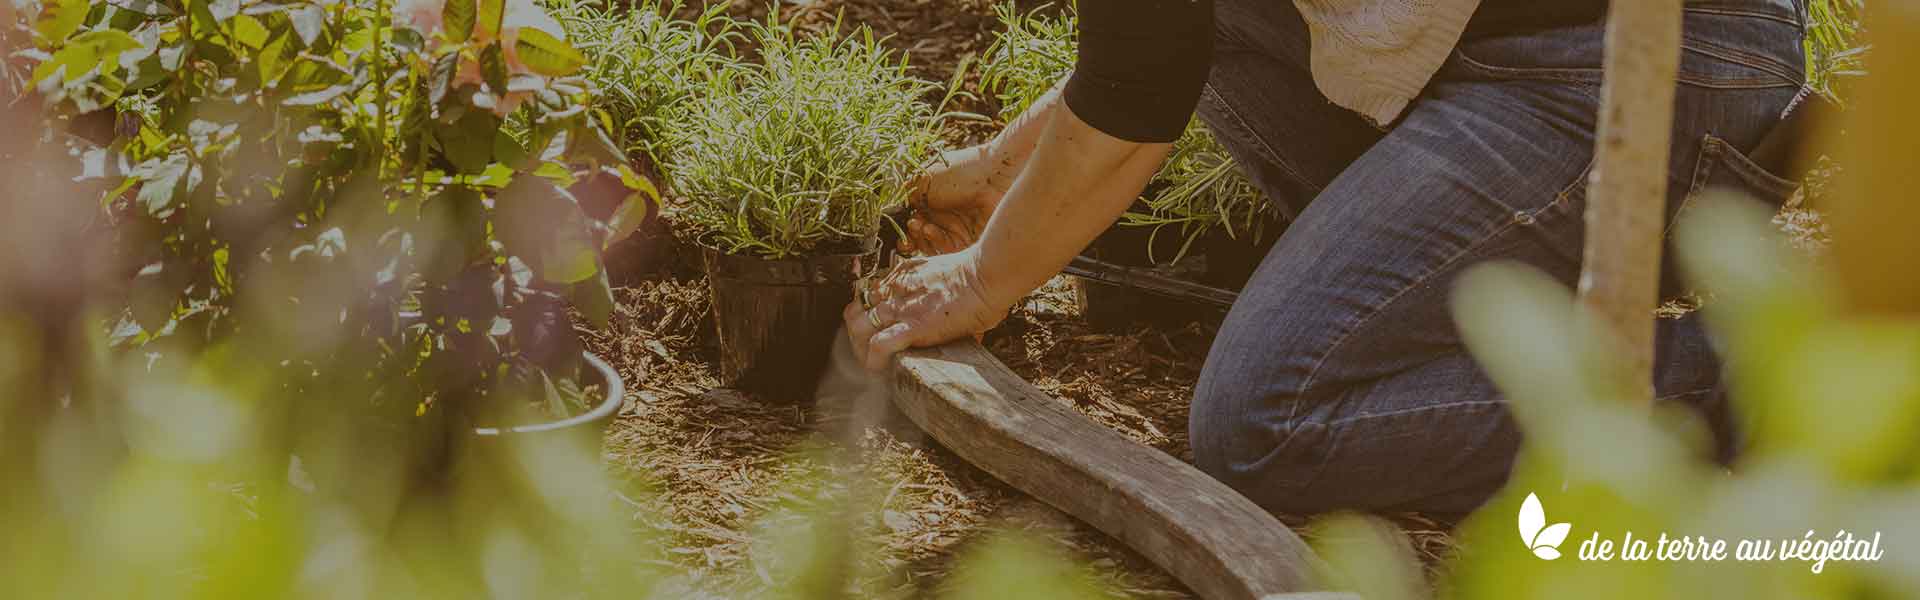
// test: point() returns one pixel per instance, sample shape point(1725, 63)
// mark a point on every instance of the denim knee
point(1271, 457)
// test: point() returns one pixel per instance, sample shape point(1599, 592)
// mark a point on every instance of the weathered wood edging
point(1214, 540)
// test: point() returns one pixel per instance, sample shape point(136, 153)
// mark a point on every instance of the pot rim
point(616, 395)
point(705, 243)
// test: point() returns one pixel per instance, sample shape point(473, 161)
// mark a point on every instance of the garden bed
point(722, 462)
point(717, 466)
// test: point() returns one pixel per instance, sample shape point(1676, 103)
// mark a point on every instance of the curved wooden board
point(1210, 537)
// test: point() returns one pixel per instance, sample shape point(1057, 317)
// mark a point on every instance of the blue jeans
point(1338, 381)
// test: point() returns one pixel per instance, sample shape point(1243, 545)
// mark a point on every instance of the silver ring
point(875, 320)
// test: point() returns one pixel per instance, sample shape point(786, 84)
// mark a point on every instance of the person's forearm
point(1014, 144)
point(1075, 184)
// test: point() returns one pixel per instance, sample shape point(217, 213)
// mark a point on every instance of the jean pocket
point(1724, 167)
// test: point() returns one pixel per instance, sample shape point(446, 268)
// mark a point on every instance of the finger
point(886, 343)
point(917, 234)
point(947, 233)
point(904, 246)
point(859, 329)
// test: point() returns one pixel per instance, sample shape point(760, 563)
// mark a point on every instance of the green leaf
point(569, 259)
point(161, 181)
point(543, 224)
point(85, 53)
point(594, 299)
point(107, 41)
point(469, 142)
point(319, 96)
point(308, 22)
point(145, 7)
point(488, 16)
point(440, 80)
point(223, 9)
point(458, 19)
point(274, 58)
point(634, 212)
point(249, 31)
point(547, 55)
point(61, 18)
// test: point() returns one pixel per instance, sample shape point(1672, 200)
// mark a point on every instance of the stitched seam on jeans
point(1563, 74)
point(1332, 432)
point(1266, 150)
point(1703, 166)
point(1744, 59)
point(1403, 411)
point(1735, 12)
point(1424, 279)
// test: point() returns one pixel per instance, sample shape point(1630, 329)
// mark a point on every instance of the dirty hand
point(922, 302)
point(953, 198)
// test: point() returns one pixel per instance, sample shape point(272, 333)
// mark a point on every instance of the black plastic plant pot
point(777, 317)
point(1112, 308)
point(1231, 260)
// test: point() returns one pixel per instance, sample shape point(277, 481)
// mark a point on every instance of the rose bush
point(382, 188)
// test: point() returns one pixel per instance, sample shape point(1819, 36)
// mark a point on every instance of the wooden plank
point(1210, 537)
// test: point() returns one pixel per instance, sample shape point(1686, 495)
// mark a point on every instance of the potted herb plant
point(647, 66)
point(783, 169)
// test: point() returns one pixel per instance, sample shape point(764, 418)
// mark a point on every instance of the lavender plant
point(802, 152)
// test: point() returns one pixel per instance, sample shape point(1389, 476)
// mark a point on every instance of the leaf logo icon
point(1542, 539)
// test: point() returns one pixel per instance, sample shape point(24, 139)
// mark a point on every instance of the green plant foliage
point(646, 65)
point(1198, 190)
point(1833, 44)
point(1030, 57)
point(801, 153)
point(352, 176)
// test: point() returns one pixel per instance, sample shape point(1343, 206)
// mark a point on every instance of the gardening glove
point(923, 302)
point(953, 198)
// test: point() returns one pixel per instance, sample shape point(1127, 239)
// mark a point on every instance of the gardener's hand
point(954, 197)
point(922, 302)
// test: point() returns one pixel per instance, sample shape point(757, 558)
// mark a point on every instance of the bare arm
point(1074, 182)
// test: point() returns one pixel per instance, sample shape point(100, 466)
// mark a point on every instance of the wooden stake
point(1626, 197)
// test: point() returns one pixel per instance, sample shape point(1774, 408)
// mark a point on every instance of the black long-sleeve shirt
point(1141, 67)
point(1143, 63)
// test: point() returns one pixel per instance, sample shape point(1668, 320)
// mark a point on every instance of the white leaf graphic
point(1532, 518)
point(1546, 552)
point(1552, 535)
